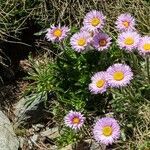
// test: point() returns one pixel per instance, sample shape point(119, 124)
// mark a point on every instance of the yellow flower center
point(107, 131)
point(57, 32)
point(146, 47)
point(102, 42)
point(76, 120)
point(129, 41)
point(100, 83)
point(95, 22)
point(118, 75)
point(81, 42)
point(126, 24)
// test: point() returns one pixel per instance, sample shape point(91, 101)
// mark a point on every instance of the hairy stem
point(148, 69)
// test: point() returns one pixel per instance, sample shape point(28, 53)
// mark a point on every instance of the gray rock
point(8, 139)
point(21, 141)
point(29, 109)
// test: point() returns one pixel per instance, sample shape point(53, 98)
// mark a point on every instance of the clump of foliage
point(40, 75)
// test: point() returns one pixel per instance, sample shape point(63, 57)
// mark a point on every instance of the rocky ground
point(29, 128)
point(13, 114)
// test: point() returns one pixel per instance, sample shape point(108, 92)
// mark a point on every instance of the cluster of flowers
point(91, 35)
point(117, 75)
point(106, 130)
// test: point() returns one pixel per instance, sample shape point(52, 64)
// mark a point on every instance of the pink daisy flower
point(128, 40)
point(57, 33)
point(94, 20)
point(99, 83)
point(125, 22)
point(106, 130)
point(144, 46)
point(74, 120)
point(101, 41)
point(119, 75)
point(80, 41)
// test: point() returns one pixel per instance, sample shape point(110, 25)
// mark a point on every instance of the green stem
point(131, 96)
point(133, 57)
point(148, 68)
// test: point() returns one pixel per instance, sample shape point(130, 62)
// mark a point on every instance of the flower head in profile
point(99, 83)
point(128, 40)
point(106, 130)
point(57, 33)
point(74, 120)
point(125, 22)
point(101, 41)
point(144, 46)
point(119, 75)
point(83, 29)
point(80, 41)
point(94, 20)
point(92, 33)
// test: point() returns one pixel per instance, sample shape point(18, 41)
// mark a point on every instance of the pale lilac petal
point(144, 46)
point(50, 33)
point(125, 22)
point(68, 120)
point(125, 69)
point(76, 37)
point(88, 18)
point(98, 130)
point(131, 46)
point(98, 39)
point(95, 78)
